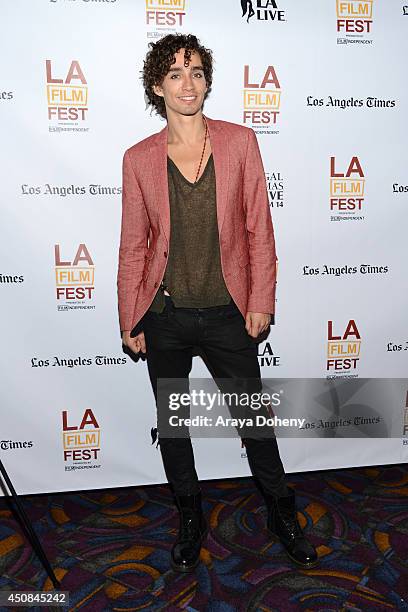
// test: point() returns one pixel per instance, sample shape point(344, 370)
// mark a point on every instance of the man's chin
point(188, 112)
point(192, 111)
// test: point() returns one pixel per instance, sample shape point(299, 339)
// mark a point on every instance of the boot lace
point(292, 525)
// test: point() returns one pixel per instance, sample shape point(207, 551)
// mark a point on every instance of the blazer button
point(155, 284)
point(165, 253)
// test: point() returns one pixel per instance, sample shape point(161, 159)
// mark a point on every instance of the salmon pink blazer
point(246, 237)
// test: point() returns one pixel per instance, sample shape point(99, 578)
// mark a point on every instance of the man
point(197, 267)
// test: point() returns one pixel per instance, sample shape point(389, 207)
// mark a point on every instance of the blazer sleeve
point(262, 252)
point(133, 244)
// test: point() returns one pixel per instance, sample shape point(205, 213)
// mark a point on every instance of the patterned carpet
point(110, 548)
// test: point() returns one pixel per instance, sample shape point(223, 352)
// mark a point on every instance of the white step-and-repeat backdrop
point(324, 86)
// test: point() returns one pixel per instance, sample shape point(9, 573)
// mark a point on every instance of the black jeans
point(230, 352)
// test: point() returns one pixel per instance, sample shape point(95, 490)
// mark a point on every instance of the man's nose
point(188, 82)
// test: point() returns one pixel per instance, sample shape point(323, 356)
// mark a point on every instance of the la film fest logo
point(75, 280)
point(347, 188)
point(67, 96)
point(262, 10)
point(81, 440)
point(262, 97)
point(354, 20)
point(343, 350)
point(274, 184)
point(164, 13)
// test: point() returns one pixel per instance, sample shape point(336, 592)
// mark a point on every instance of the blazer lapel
point(158, 152)
point(219, 146)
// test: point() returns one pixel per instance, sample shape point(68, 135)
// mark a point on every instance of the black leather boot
point(185, 553)
point(282, 521)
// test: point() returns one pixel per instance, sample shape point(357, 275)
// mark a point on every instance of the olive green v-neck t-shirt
point(193, 274)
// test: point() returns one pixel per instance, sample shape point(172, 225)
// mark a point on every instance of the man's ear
point(158, 90)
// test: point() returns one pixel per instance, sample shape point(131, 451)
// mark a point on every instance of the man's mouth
point(187, 98)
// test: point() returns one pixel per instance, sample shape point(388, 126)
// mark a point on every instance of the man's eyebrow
point(192, 68)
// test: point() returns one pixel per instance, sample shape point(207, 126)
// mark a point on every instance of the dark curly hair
point(159, 59)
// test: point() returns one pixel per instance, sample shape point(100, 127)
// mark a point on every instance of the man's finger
point(135, 345)
point(142, 343)
point(248, 323)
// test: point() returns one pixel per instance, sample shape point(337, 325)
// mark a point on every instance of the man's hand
point(135, 344)
point(256, 323)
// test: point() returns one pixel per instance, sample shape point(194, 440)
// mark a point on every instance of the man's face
point(183, 87)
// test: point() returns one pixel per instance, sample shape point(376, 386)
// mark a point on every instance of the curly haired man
point(197, 269)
